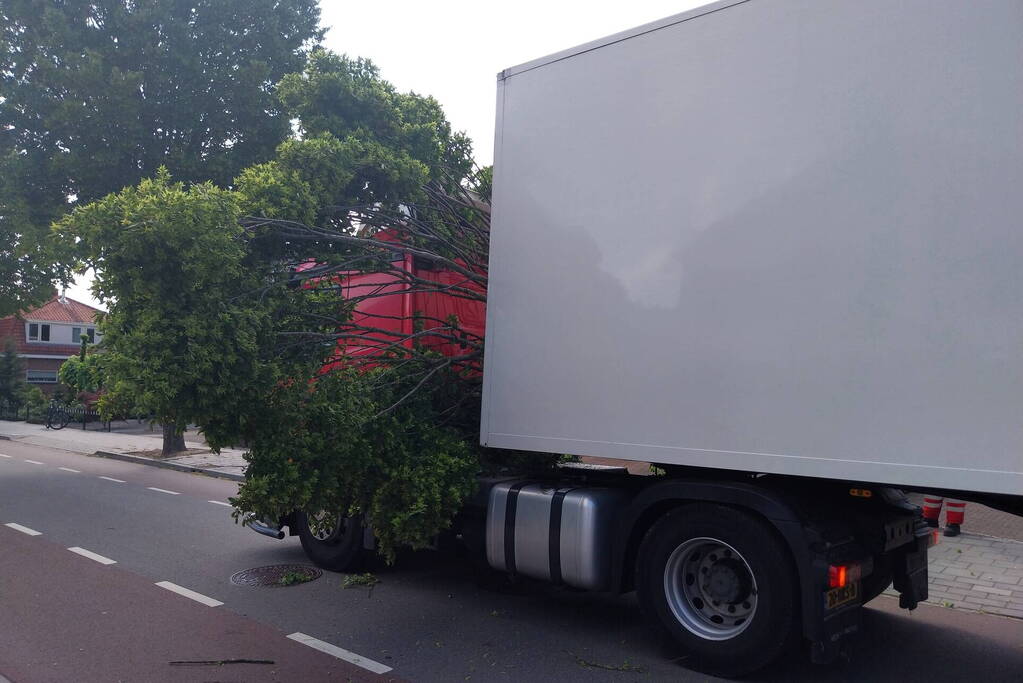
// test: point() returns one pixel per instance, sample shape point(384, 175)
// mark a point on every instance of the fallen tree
point(373, 414)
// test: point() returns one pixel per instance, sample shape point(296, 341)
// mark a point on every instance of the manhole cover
point(276, 575)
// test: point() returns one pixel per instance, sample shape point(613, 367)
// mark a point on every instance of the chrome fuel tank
point(556, 533)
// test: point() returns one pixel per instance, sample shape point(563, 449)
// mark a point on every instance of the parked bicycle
point(57, 415)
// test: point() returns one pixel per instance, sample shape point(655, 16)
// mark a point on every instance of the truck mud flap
point(910, 575)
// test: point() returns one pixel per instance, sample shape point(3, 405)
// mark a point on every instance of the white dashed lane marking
point(92, 556)
point(68, 469)
point(23, 529)
point(119, 481)
point(153, 488)
point(4, 456)
point(219, 502)
point(34, 462)
point(180, 590)
point(340, 653)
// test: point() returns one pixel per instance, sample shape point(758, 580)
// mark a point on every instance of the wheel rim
point(710, 588)
point(325, 526)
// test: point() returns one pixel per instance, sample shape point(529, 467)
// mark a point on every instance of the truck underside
point(738, 569)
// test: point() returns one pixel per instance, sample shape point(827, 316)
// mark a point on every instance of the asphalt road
point(66, 617)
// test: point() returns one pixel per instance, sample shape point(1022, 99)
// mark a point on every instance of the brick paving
point(979, 573)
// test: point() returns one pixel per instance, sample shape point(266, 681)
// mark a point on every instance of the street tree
point(26, 211)
point(362, 141)
point(95, 96)
point(12, 375)
point(169, 262)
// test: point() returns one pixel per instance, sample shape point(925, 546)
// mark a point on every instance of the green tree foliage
point(362, 140)
point(36, 404)
point(83, 374)
point(98, 95)
point(26, 210)
point(12, 375)
point(323, 444)
point(169, 262)
point(363, 143)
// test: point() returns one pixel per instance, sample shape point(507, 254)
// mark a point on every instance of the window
point(41, 376)
point(38, 332)
point(76, 335)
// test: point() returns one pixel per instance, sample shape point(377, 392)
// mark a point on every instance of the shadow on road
point(930, 643)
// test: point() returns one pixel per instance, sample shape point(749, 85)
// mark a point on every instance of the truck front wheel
point(722, 584)
point(331, 540)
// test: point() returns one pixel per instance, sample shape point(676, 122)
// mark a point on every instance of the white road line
point(34, 462)
point(153, 488)
point(4, 456)
point(198, 597)
point(92, 556)
point(119, 481)
point(24, 529)
point(68, 469)
point(220, 502)
point(340, 653)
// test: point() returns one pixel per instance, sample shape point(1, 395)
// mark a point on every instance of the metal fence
point(56, 413)
point(74, 415)
point(11, 411)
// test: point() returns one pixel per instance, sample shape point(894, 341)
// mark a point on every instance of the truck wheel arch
point(658, 499)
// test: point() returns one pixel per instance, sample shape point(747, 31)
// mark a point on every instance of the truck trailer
point(772, 247)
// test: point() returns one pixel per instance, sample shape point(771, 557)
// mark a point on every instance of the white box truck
point(775, 248)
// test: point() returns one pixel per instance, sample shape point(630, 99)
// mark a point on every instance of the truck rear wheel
point(722, 584)
point(331, 540)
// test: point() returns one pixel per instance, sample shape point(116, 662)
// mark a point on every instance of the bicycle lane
point(67, 616)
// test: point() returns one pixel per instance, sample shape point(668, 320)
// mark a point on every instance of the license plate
point(840, 596)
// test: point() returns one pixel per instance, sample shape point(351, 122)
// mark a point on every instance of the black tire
point(339, 550)
point(57, 418)
point(744, 563)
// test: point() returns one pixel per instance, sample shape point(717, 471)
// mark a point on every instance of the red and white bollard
point(955, 512)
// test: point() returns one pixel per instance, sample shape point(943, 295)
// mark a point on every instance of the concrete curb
point(139, 460)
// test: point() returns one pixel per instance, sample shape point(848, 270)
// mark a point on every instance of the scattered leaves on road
point(291, 578)
point(366, 580)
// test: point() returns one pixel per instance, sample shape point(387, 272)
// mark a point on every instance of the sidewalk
point(979, 573)
point(228, 464)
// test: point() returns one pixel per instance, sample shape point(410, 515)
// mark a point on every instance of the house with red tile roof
point(46, 336)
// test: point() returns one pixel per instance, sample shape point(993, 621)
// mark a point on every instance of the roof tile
point(64, 310)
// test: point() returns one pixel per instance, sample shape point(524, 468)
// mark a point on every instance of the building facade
point(46, 336)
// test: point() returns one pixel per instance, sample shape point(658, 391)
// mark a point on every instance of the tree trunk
point(173, 440)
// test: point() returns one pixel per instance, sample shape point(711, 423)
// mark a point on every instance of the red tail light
point(837, 576)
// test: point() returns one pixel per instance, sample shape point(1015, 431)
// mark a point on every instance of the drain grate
point(276, 575)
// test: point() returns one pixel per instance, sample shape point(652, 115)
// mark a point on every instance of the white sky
point(453, 49)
